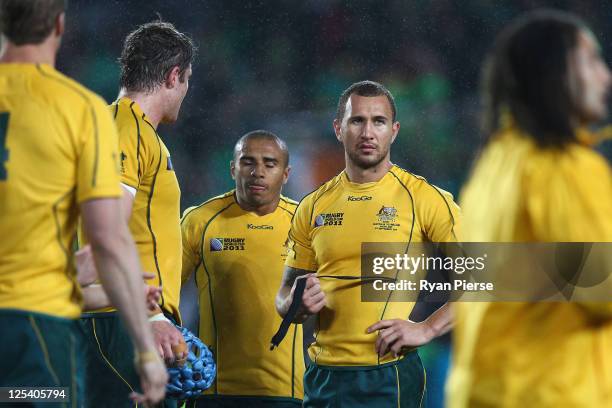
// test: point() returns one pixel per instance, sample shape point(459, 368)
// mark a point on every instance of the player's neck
point(259, 210)
point(43, 53)
point(360, 175)
point(150, 103)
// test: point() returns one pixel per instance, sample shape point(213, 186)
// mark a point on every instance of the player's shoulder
point(287, 204)
point(419, 186)
point(203, 212)
point(69, 92)
point(131, 121)
point(310, 199)
point(576, 167)
point(587, 161)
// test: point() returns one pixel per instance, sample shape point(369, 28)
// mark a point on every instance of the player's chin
point(258, 198)
point(367, 160)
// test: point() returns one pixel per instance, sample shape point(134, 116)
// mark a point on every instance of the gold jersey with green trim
point(326, 235)
point(146, 167)
point(58, 148)
point(238, 259)
point(553, 354)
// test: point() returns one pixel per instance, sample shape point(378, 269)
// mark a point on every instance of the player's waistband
point(408, 355)
point(114, 314)
point(37, 314)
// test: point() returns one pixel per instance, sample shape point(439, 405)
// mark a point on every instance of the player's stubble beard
point(259, 200)
point(367, 162)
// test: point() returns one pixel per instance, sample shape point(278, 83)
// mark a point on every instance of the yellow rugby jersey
point(155, 222)
point(238, 260)
point(534, 354)
point(58, 148)
point(326, 236)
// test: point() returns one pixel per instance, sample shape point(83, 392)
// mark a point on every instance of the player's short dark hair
point(364, 88)
point(149, 54)
point(526, 77)
point(265, 135)
point(29, 21)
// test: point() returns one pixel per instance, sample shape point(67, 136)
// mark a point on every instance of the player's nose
point(367, 131)
point(258, 170)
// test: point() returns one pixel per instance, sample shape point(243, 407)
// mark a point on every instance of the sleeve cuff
point(129, 189)
point(294, 263)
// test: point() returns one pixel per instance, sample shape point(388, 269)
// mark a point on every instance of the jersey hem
point(101, 193)
point(362, 367)
point(299, 265)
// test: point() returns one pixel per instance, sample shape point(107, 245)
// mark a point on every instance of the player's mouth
point(366, 148)
point(256, 188)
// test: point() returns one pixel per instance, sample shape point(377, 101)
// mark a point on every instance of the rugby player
point(155, 70)
point(538, 180)
point(58, 150)
point(365, 353)
point(235, 244)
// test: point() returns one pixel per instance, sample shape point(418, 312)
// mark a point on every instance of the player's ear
point(173, 77)
point(396, 128)
point(286, 174)
point(337, 129)
point(60, 24)
point(233, 169)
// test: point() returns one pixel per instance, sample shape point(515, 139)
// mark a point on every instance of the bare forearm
point(119, 270)
point(440, 322)
point(283, 297)
point(94, 297)
point(282, 306)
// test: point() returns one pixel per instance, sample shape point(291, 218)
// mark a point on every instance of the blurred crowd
point(281, 65)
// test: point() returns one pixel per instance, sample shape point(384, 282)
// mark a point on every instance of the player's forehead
point(260, 147)
point(368, 106)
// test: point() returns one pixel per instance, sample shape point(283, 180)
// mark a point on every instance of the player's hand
point(152, 296)
point(166, 336)
point(396, 334)
point(85, 265)
point(152, 293)
point(313, 299)
point(153, 379)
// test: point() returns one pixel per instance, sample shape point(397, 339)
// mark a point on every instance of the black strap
point(300, 286)
point(290, 316)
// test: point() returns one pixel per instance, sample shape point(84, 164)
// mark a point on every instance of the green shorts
point(222, 401)
point(111, 375)
point(38, 350)
point(397, 384)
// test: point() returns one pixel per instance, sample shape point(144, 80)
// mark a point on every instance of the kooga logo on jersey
point(259, 227)
point(359, 198)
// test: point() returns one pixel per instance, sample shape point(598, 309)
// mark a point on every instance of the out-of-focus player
point(365, 352)
point(235, 244)
point(535, 181)
point(58, 152)
point(155, 70)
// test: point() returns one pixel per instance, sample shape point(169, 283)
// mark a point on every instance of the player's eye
point(356, 121)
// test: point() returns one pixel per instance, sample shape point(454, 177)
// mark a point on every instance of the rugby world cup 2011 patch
point(227, 244)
